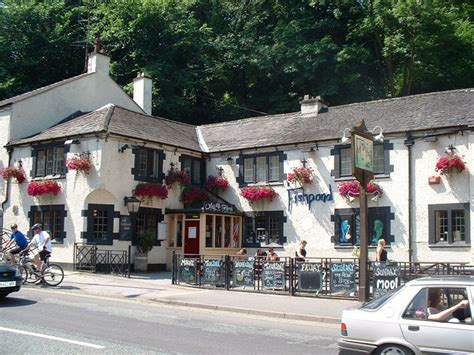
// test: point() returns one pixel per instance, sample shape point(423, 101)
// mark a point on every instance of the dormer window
point(48, 160)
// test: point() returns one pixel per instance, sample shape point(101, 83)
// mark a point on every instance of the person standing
point(42, 240)
point(17, 238)
point(381, 252)
point(300, 253)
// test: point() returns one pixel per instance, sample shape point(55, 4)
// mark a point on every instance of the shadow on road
point(10, 301)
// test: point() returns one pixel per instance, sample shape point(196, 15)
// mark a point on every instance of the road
point(42, 320)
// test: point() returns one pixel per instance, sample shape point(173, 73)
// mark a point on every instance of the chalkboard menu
point(243, 273)
point(212, 272)
point(386, 278)
point(273, 275)
point(342, 277)
point(125, 230)
point(310, 277)
point(187, 271)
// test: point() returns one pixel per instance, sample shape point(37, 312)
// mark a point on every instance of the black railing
point(314, 277)
point(91, 258)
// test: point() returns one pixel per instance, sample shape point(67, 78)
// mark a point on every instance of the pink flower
point(216, 183)
point(12, 171)
point(193, 194)
point(80, 162)
point(256, 193)
point(176, 176)
point(149, 190)
point(447, 164)
point(42, 187)
point(301, 175)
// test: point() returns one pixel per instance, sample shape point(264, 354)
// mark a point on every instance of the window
point(148, 165)
point(343, 160)
point(347, 226)
point(48, 160)
point(261, 228)
point(52, 219)
point(449, 224)
point(194, 167)
point(100, 224)
point(222, 231)
point(261, 168)
point(148, 219)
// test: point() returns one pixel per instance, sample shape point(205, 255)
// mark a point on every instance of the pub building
point(420, 207)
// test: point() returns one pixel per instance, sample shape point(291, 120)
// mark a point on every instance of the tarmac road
point(60, 322)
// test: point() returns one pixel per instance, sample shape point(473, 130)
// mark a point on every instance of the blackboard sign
point(125, 229)
point(273, 275)
point(386, 278)
point(212, 272)
point(243, 273)
point(187, 271)
point(310, 277)
point(342, 277)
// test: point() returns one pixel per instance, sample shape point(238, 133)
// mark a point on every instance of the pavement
point(157, 287)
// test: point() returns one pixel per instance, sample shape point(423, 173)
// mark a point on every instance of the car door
point(435, 336)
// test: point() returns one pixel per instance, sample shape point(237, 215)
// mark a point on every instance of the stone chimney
point(312, 105)
point(142, 87)
point(97, 61)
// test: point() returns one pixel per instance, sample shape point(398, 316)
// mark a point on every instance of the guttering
point(409, 142)
point(7, 188)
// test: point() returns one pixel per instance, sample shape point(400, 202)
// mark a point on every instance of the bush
point(146, 242)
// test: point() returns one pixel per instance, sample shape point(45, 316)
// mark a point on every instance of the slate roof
point(117, 120)
point(418, 112)
point(409, 113)
point(32, 93)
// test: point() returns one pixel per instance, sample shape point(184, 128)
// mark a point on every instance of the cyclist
point(17, 238)
point(42, 240)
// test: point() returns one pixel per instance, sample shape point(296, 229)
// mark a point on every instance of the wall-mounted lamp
point(430, 137)
point(346, 138)
point(132, 203)
point(379, 137)
point(72, 141)
point(123, 147)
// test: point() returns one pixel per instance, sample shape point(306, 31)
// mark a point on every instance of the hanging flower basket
point(14, 172)
point(450, 163)
point(192, 194)
point(43, 187)
point(351, 189)
point(257, 193)
point(176, 176)
point(80, 162)
point(150, 190)
point(217, 183)
point(301, 175)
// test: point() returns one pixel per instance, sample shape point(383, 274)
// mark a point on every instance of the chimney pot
point(142, 92)
point(312, 105)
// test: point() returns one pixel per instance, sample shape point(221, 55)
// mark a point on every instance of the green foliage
point(210, 58)
point(146, 242)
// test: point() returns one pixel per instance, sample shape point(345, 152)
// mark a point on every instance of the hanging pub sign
point(243, 273)
point(386, 278)
point(342, 277)
point(362, 154)
point(187, 271)
point(273, 275)
point(310, 277)
point(212, 272)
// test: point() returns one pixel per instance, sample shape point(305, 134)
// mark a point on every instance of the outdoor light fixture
point(71, 141)
point(379, 137)
point(132, 203)
point(430, 137)
point(345, 139)
point(123, 147)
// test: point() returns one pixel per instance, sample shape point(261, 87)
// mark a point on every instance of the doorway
point(191, 237)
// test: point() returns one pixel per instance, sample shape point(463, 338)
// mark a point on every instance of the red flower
point(193, 194)
point(12, 171)
point(452, 162)
point(80, 162)
point(351, 189)
point(149, 189)
point(301, 175)
point(175, 175)
point(42, 187)
point(216, 183)
point(256, 193)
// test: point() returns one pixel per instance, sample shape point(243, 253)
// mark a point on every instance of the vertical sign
point(386, 278)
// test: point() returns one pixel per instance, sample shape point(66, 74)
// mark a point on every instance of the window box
point(258, 193)
point(43, 187)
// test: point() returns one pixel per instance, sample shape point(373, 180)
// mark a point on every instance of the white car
point(426, 316)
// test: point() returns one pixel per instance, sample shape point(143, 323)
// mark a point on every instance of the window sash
point(192, 166)
point(379, 159)
point(261, 169)
point(249, 171)
point(274, 167)
point(52, 221)
point(266, 228)
point(346, 162)
point(49, 161)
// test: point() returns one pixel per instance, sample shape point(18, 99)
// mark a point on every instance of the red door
point(191, 237)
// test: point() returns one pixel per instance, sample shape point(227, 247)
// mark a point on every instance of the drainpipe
point(409, 142)
point(7, 187)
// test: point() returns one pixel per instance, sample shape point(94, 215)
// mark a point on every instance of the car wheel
point(393, 349)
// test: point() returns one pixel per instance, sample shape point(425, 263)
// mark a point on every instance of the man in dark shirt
point(17, 238)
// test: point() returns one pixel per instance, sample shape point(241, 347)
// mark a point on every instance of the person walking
point(381, 252)
point(17, 238)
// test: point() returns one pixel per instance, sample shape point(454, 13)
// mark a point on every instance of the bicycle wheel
point(23, 273)
point(31, 277)
point(53, 275)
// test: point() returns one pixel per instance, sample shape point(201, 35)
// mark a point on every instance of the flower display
point(191, 194)
point(257, 193)
point(43, 187)
point(301, 175)
point(80, 162)
point(351, 189)
point(14, 172)
point(216, 183)
point(176, 176)
point(449, 164)
point(149, 190)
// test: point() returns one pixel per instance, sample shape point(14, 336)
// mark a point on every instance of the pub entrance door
point(191, 237)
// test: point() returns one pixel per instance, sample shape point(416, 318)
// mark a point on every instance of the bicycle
point(52, 274)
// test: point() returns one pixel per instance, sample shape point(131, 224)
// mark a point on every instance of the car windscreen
point(379, 301)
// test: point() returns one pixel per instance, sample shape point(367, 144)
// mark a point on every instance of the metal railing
point(92, 259)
